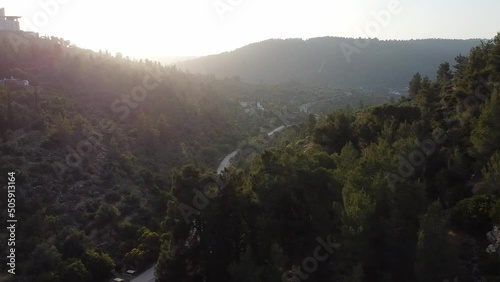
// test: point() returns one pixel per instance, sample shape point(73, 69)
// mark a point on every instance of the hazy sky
point(202, 27)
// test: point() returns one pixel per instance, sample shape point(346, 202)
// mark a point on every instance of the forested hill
point(338, 62)
point(114, 169)
point(408, 191)
point(93, 140)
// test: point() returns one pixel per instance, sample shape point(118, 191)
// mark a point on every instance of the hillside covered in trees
point(406, 191)
point(332, 61)
point(93, 141)
point(114, 161)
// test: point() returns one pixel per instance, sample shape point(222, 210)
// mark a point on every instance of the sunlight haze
point(250, 140)
point(197, 28)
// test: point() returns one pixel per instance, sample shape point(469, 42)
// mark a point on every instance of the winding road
point(276, 130)
point(149, 275)
point(225, 162)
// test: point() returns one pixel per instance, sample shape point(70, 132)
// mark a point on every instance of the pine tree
point(415, 85)
point(485, 135)
point(435, 259)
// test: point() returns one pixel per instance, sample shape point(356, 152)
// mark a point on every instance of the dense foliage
point(400, 192)
point(333, 61)
point(114, 164)
point(92, 142)
point(94, 138)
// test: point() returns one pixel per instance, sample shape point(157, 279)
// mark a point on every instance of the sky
point(150, 28)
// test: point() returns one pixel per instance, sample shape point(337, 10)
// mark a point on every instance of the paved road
point(146, 276)
point(149, 275)
point(225, 161)
point(276, 130)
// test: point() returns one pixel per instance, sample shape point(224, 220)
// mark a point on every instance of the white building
point(14, 82)
point(8, 23)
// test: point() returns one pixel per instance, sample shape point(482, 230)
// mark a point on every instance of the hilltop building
point(8, 22)
point(14, 82)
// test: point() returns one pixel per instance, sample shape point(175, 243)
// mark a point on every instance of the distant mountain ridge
point(333, 61)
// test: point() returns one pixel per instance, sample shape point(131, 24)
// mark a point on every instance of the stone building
point(10, 23)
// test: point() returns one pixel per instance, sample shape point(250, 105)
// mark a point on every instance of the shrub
point(473, 213)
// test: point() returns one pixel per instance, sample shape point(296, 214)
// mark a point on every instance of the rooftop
point(4, 17)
